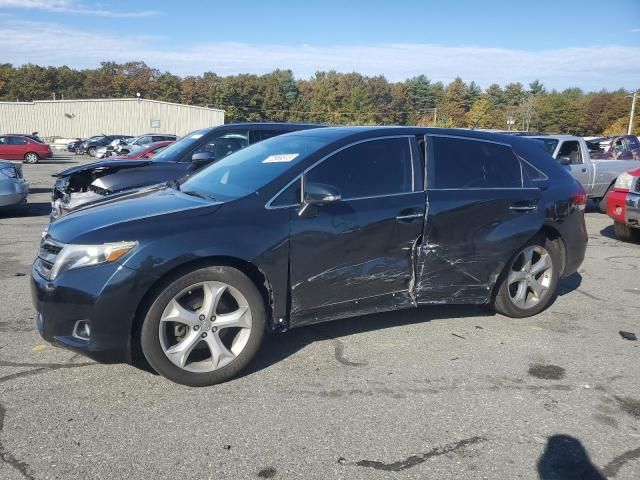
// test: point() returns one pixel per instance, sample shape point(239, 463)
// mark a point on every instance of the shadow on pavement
point(278, 347)
point(565, 458)
point(25, 210)
point(569, 284)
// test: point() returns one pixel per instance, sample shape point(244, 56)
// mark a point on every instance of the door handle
point(584, 170)
point(522, 208)
point(409, 215)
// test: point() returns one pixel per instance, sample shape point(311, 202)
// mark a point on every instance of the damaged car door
point(353, 238)
point(479, 210)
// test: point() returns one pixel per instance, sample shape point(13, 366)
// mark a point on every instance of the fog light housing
point(82, 330)
point(618, 210)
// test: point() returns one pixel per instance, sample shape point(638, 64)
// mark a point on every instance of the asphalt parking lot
point(439, 392)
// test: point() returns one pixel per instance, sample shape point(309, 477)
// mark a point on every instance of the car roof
point(338, 133)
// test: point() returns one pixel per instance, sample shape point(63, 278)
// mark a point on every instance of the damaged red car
point(623, 205)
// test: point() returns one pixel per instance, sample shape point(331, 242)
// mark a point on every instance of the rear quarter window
point(465, 164)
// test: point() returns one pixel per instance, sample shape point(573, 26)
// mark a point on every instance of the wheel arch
point(548, 232)
point(254, 273)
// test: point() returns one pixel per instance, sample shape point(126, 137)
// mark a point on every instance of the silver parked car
point(13, 187)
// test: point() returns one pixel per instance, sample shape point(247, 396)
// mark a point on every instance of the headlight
point(623, 182)
point(78, 256)
point(9, 172)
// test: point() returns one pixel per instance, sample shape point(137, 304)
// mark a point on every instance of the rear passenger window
point(368, 169)
point(461, 163)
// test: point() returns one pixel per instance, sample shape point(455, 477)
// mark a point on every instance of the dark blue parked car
point(307, 227)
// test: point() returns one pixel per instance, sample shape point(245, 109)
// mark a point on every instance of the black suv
point(303, 228)
point(78, 186)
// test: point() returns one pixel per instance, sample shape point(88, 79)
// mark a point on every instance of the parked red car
point(623, 205)
point(17, 147)
point(144, 153)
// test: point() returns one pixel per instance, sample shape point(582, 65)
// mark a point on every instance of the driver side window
point(223, 145)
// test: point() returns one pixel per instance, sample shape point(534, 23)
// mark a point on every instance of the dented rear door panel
point(468, 238)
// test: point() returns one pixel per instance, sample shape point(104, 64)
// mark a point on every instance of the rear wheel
point(625, 233)
point(204, 327)
point(528, 284)
point(92, 151)
point(31, 157)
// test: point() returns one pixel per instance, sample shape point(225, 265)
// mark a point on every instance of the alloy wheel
point(31, 158)
point(530, 277)
point(205, 326)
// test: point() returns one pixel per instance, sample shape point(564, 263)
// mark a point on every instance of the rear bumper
point(13, 192)
point(624, 207)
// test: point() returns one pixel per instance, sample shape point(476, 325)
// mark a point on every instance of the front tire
point(625, 233)
point(529, 282)
point(92, 151)
point(31, 158)
point(204, 327)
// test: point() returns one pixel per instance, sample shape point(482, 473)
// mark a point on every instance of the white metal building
point(83, 118)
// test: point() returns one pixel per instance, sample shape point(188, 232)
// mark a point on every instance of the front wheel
point(204, 327)
point(92, 151)
point(31, 157)
point(528, 284)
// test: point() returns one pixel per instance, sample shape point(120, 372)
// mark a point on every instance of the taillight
point(580, 197)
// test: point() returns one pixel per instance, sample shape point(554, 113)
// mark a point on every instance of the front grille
point(49, 250)
point(637, 186)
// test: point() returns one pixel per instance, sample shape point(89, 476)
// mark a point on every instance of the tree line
point(336, 98)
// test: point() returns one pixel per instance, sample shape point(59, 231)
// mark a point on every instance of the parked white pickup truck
point(596, 176)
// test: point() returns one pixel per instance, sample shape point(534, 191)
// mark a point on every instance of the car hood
point(132, 212)
point(103, 165)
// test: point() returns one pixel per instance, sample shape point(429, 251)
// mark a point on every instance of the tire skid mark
point(37, 368)
point(414, 460)
point(338, 349)
point(612, 468)
point(7, 457)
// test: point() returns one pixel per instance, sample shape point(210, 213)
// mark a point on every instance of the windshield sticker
point(280, 158)
point(196, 135)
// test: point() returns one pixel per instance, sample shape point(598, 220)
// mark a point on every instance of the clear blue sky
point(591, 44)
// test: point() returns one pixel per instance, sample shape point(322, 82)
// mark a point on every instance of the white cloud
point(71, 6)
point(591, 68)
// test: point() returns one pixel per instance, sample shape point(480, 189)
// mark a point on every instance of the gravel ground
point(439, 392)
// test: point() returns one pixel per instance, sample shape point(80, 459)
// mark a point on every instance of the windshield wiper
point(195, 193)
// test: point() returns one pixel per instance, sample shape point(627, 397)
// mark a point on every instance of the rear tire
point(204, 327)
point(92, 151)
point(529, 281)
point(31, 158)
point(625, 233)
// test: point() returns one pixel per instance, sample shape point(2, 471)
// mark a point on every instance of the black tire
point(503, 303)
point(625, 233)
point(77, 151)
point(149, 338)
point(92, 151)
point(31, 157)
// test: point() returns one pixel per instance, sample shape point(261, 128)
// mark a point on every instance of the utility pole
point(633, 111)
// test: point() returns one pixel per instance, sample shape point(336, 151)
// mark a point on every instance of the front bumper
point(105, 297)
point(624, 207)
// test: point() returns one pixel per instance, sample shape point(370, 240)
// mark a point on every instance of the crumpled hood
point(103, 165)
point(130, 213)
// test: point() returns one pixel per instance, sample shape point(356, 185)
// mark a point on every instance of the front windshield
point(549, 144)
point(176, 150)
point(248, 170)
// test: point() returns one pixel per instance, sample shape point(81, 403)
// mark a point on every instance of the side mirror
point(202, 157)
point(321, 194)
point(564, 160)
